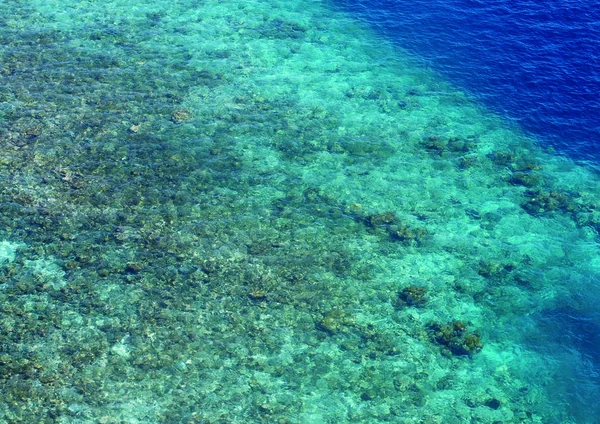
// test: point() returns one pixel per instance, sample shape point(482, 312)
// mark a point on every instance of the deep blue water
point(536, 63)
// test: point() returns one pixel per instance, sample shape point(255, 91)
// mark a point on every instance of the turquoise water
point(234, 212)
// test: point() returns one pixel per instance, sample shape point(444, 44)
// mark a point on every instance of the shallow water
point(265, 212)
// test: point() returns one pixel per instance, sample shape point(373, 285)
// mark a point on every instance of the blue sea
point(299, 212)
point(536, 64)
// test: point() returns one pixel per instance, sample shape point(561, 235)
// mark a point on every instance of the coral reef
point(388, 223)
point(413, 296)
point(540, 202)
point(456, 339)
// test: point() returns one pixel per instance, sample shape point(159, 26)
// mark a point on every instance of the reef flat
point(260, 211)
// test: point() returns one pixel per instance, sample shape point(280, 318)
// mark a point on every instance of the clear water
point(234, 212)
point(534, 63)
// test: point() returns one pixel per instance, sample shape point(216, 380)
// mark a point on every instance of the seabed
point(263, 212)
